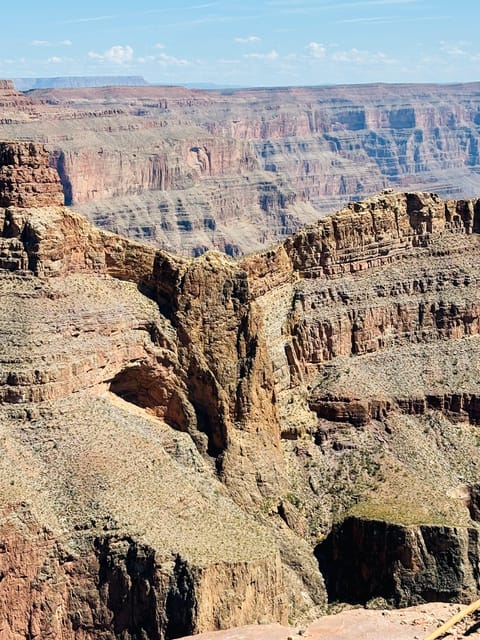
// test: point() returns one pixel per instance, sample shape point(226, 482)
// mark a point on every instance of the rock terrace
point(195, 444)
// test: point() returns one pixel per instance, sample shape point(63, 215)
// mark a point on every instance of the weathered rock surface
point(365, 559)
point(191, 170)
point(405, 624)
point(26, 180)
point(179, 436)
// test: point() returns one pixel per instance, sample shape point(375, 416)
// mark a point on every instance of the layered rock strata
point(184, 438)
point(26, 180)
point(181, 168)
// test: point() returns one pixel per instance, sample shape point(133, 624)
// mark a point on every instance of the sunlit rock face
point(190, 170)
point(192, 444)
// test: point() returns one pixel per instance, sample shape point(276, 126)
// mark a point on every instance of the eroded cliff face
point(105, 521)
point(190, 171)
point(363, 559)
point(183, 438)
point(178, 167)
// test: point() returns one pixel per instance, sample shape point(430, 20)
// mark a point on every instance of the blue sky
point(245, 42)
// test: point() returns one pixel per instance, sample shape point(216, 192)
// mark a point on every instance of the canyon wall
point(362, 560)
point(190, 170)
point(191, 444)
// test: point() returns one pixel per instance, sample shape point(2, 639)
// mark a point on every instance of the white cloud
point(167, 61)
point(247, 40)
point(206, 5)
point(55, 60)
point(159, 45)
point(453, 48)
point(273, 55)
point(94, 19)
point(330, 53)
point(48, 43)
point(313, 7)
point(164, 60)
point(124, 54)
point(316, 50)
point(358, 56)
point(391, 19)
point(118, 54)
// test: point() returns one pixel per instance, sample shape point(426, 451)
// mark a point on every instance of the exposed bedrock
point(365, 559)
point(358, 411)
point(160, 162)
point(26, 180)
point(228, 396)
point(113, 586)
point(184, 432)
point(152, 599)
point(96, 174)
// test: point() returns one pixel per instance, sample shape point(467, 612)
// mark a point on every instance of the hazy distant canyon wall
point(190, 170)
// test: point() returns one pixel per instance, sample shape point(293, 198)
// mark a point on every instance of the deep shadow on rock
point(363, 559)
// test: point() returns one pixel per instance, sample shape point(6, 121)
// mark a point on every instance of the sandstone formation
point(26, 180)
point(190, 170)
point(193, 444)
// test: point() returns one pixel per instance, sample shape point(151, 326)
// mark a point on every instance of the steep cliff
point(108, 513)
point(191, 170)
point(364, 559)
point(26, 180)
point(191, 444)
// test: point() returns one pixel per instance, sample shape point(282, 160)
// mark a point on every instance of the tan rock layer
point(26, 180)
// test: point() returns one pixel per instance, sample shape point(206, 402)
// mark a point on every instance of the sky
point(244, 42)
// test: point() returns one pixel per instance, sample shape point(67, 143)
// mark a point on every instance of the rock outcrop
point(26, 180)
point(180, 437)
point(77, 334)
point(364, 559)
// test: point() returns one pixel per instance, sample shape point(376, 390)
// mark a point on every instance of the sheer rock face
point(26, 180)
point(363, 559)
point(235, 171)
point(229, 393)
point(116, 587)
point(179, 435)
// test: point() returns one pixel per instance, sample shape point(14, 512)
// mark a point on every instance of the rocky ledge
point(192, 444)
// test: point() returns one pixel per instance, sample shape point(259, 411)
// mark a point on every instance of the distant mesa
point(76, 82)
point(82, 82)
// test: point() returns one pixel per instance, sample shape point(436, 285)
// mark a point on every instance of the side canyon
point(190, 444)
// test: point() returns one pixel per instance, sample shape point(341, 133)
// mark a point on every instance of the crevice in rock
point(58, 162)
point(30, 243)
point(203, 393)
point(129, 584)
point(181, 605)
point(474, 502)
